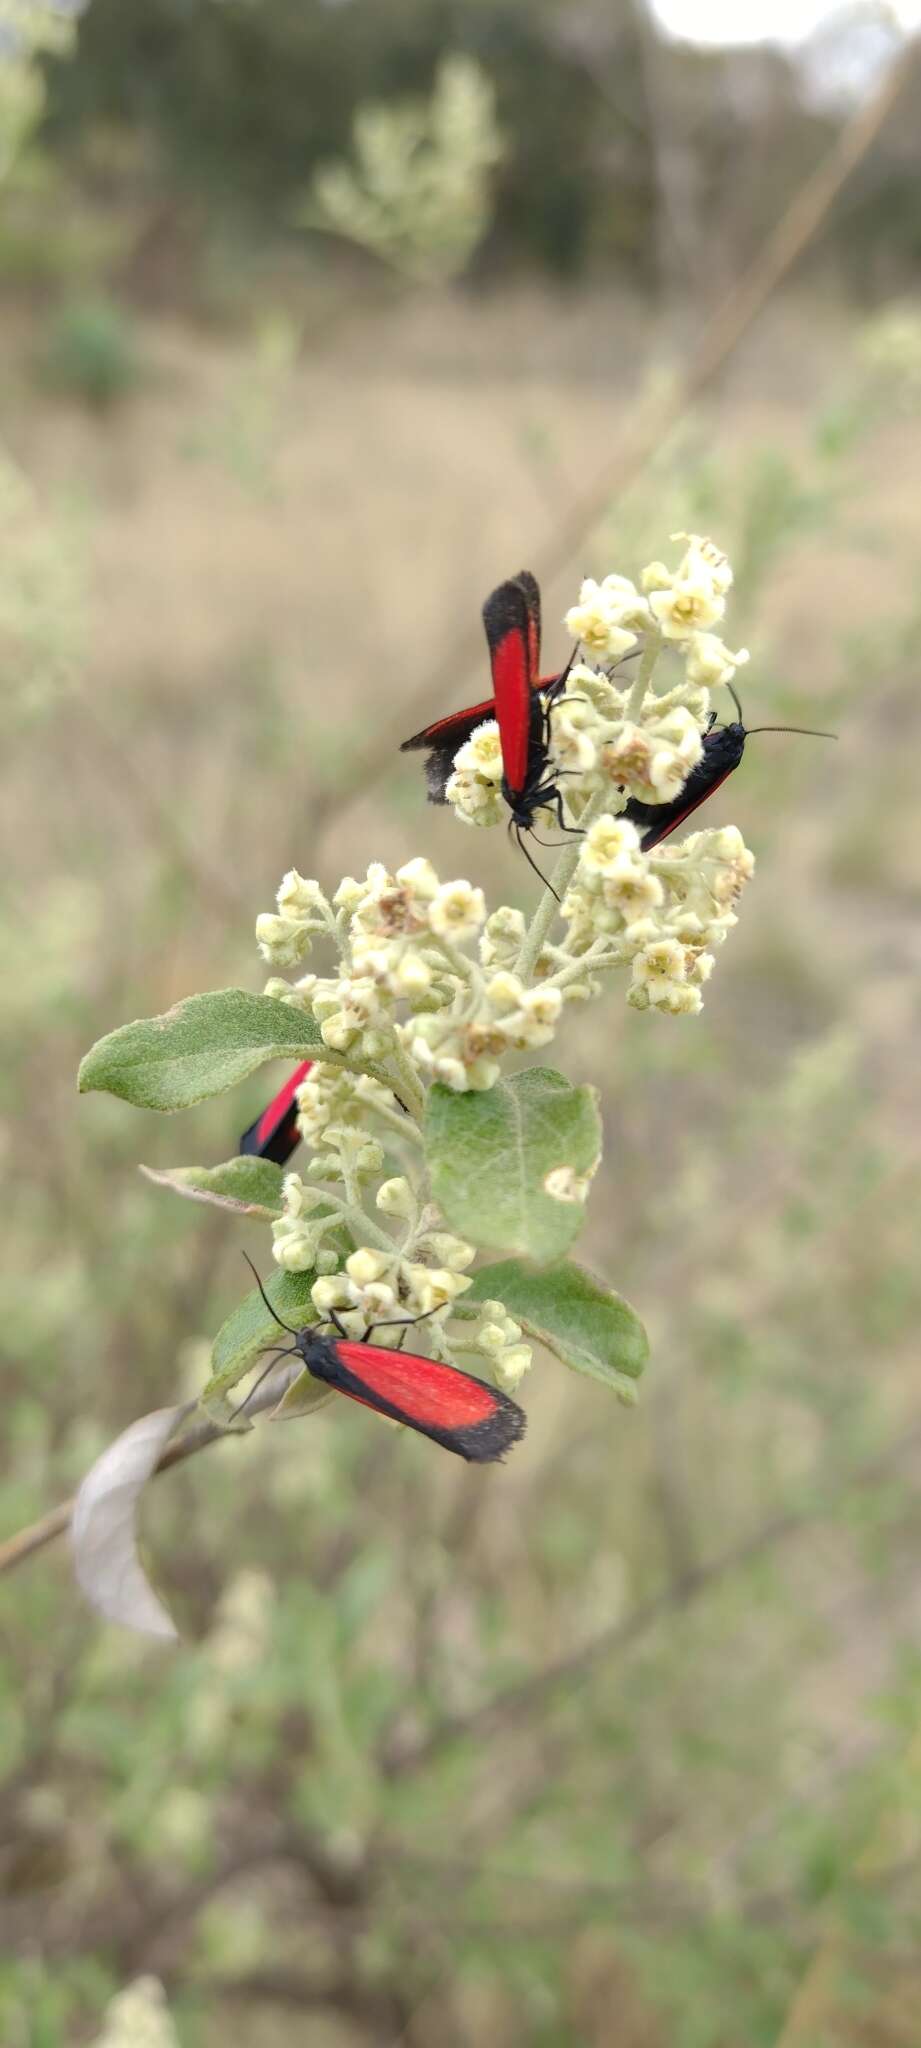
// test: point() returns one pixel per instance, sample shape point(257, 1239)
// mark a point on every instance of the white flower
point(504, 992)
point(710, 662)
point(482, 754)
point(281, 940)
point(434, 1286)
point(457, 912)
point(701, 549)
point(476, 801)
point(298, 898)
point(449, 1250)
point(419, 877)
point(503, 937)
point(691, 604)
point(606, 844)
point(597, 618)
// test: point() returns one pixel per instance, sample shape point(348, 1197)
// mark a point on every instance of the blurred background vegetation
point(316, 320)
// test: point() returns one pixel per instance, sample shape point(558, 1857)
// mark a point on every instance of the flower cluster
point(662, 913)
point(621, 742)
point(389, 1283)
point(496, 1337)
point(427, 985)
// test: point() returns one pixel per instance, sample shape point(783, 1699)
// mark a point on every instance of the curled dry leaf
point(104, 1525)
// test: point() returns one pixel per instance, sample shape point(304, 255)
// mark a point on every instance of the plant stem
point(651, 651)
point(548, 906)
point(406, 1085)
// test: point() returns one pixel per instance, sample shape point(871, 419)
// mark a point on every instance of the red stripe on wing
point(425, 1391)
point(653, 837)
point(443, 729)
point(508, 632)
point(281, 1102)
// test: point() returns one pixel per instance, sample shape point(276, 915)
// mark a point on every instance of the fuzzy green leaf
point(251, 1328)
point(198, 1048)
point(588, 1326)
point(509, 1166)
point(250, 1186)
point(302, 1397)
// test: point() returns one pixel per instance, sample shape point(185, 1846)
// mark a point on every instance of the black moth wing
point(722, 751)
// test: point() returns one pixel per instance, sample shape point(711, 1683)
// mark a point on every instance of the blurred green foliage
point(90, 351)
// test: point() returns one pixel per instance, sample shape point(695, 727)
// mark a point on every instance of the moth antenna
point(272, 1312)
point(735, 698)
point(406, 1322)
point(533, 864)
point(809, 732)
point(288, 1352)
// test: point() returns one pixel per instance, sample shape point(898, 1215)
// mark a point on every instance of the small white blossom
point(457, 912)
point(607, 843)
point(710, 662)
point(704, 550)
point(419, 877)
point(434, 1286)
point(281, 940)
point(481, 754)
point(503, 937)
point(690, 605)
point(298, 898)
point(598, 618)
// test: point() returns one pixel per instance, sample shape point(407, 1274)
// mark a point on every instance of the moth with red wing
point(454, 1409)
point(275, 1134)
point(723, 747)
point(519, 597)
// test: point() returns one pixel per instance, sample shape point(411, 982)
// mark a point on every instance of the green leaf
point(510, 1167)
point(251, 1328)
point(250, 1186)
point(588, 1326)
point(302, 1397)
point(199, 1048)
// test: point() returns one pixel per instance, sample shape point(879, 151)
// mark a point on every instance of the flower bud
point(449, 1250)
point(297, 898)
point(510, 1367)
point(332, 1293)
point(366, 1265)
point(419, 877)
point(396, 1198)
point(281, 940)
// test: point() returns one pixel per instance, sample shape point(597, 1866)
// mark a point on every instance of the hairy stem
point(652, 648)
point(548, 906)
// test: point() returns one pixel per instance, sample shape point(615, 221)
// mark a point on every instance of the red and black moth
point(514, 605)
point(275, 1133)
point(454, 1409)
point(723, 747)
